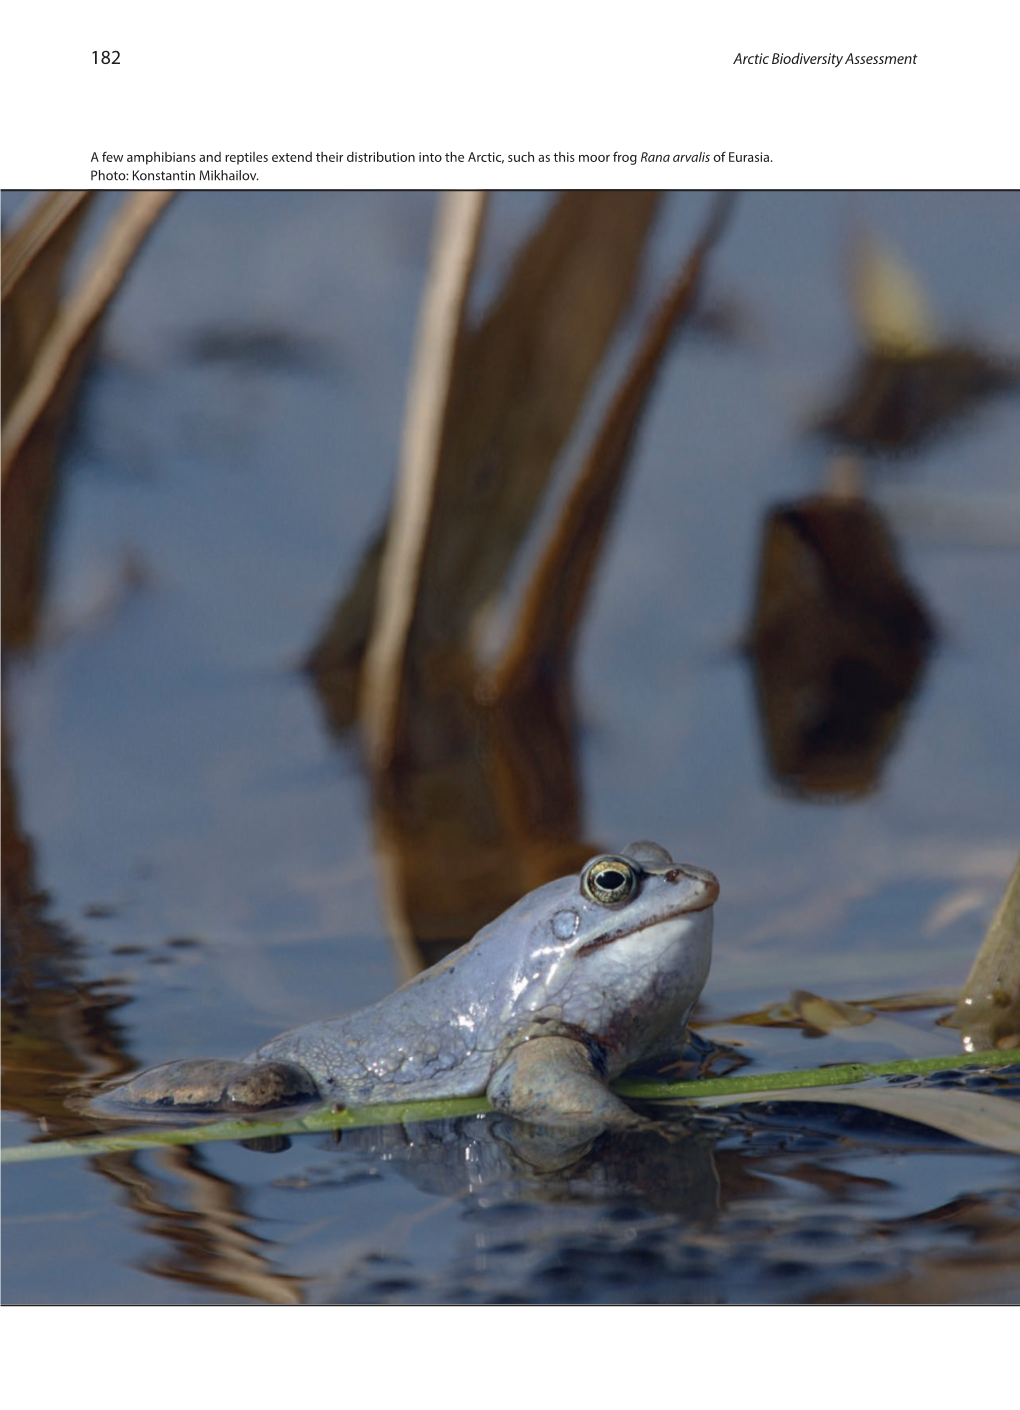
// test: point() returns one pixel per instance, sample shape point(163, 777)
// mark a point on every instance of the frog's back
point(437, 1035)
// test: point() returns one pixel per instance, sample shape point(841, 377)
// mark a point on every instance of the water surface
point(206, 844)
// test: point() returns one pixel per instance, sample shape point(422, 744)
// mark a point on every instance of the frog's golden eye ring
point(609, 880)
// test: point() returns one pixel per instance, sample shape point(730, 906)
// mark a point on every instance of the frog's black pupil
point(612, 880)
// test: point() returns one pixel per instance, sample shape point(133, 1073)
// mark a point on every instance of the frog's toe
point(212, 1085)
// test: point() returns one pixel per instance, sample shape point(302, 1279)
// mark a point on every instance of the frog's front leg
point(553, 1081)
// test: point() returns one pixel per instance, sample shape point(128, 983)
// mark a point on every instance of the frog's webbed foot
point(550, 1081)
point(206, 1085)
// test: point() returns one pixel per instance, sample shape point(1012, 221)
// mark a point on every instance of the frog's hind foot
point(205, 1086)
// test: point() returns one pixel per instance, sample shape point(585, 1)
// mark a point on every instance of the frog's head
point(620, 953)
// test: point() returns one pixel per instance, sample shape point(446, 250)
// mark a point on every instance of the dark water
point(206, 845)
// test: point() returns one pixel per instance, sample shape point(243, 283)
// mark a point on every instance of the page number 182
point(106, 56)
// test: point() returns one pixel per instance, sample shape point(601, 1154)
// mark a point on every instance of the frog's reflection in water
point(743, 1206)
point(667, 1168)
point(497, 1172)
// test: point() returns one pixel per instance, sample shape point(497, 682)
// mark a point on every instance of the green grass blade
point(706, 1092)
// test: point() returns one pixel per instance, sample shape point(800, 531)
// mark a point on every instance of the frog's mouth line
point(611, 938)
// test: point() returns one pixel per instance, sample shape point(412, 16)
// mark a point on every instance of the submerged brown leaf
point(908, 384)
point(839, 641)
point(866, 1020)
point(557, 592)
point(899, 402)
point(784, 1014)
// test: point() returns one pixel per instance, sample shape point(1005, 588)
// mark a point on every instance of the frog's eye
point(609, 880)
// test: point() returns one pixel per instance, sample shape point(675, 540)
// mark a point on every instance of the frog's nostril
point(704, 879)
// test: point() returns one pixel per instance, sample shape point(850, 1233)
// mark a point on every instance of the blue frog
point(579, 980)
